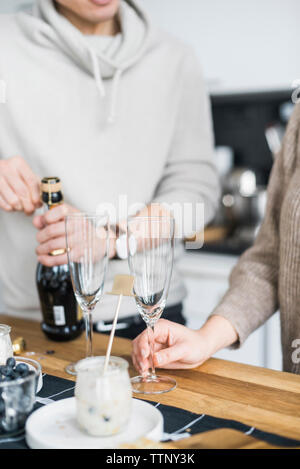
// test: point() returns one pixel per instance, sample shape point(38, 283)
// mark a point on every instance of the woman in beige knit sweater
point(266, 278)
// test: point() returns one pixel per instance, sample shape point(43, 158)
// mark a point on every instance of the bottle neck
point(51, 200)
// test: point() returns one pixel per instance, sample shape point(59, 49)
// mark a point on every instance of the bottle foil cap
point(19, 345)
point(51, 184)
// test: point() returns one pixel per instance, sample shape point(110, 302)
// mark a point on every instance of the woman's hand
point(178, 347)
point(19, 186)
point(175, 346)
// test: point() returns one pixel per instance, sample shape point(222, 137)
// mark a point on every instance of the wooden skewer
point(123, 285)
point(112, 334)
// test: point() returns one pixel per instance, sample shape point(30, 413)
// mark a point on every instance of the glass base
point(70, 369)
point(152, 384)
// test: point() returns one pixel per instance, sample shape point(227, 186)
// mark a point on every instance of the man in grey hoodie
point(118, 110)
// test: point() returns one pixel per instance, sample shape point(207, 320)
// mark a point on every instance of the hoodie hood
point(102, 66)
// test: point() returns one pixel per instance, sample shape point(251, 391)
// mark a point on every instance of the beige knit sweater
point(267, 277)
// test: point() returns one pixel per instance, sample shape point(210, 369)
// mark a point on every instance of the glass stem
point(88, 333)
point(150, 330)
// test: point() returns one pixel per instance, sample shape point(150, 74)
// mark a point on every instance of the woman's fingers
point(170, 355)
point(165, 332)
point(141, 367)
point(140, 347)
point(179, 365)
point(163, 338)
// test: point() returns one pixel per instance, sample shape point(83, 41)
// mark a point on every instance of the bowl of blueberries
point(19, 383)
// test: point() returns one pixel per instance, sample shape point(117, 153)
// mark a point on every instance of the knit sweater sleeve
point(252, 296)
point(190, 177)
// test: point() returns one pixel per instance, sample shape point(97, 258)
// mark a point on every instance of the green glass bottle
point(62, 317)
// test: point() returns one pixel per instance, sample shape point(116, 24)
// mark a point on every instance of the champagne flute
point(87, 237)
point(150, 258)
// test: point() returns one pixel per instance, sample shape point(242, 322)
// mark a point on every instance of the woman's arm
point(253, 294)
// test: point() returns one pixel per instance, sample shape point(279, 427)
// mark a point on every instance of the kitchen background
point(249, 53)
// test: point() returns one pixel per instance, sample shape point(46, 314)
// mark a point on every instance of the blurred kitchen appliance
point(244, 203)
point(224, 158)
point(249, 127)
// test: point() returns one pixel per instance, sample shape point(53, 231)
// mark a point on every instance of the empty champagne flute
point(87, 237)
point(150, 257)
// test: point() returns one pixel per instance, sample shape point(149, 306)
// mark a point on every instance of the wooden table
point(265, 399)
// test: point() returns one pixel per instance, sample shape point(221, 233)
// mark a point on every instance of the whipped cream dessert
point(103, 400)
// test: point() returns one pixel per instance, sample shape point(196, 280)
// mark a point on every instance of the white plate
point(55, 427)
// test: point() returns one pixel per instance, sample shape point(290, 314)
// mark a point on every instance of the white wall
point(242, 44)
point(7, 6)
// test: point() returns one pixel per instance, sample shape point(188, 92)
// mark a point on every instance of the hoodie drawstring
point(101, 88)
point(97, 73)
point(114, 95)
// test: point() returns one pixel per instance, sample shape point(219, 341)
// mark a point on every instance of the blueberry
point(11, 362)
point(22, 369)
point(6, 371)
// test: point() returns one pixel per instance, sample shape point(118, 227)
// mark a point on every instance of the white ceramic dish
point(55, 427)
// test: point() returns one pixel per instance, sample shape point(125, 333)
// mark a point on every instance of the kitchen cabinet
point(206, 278)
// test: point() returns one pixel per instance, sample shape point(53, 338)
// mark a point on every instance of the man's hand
point(19, 186)
point(178, 347)
point(52, 235)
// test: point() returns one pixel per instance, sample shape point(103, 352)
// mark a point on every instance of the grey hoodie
point(125, 123)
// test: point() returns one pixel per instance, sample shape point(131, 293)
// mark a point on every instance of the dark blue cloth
point(175, 420)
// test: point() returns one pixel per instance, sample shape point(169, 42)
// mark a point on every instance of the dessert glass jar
point(6, 349)
point(103, 400)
